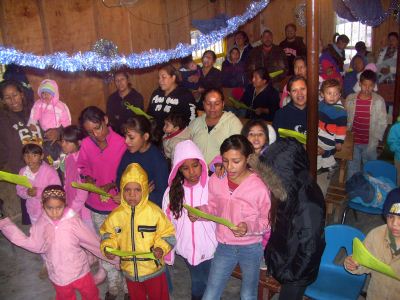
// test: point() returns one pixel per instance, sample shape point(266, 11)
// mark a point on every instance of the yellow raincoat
point(139, 228)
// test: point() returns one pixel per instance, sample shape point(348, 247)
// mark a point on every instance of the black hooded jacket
point(294, 251)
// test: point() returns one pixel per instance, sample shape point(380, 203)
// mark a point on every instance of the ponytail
point(176, 194)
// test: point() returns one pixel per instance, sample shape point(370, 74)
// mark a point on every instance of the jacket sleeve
point(83, 162)
point(382, 118)
point(35, 113)
point(79, 200)
point(65, 116)
point(34, 242)
point(107, 235)
point(310, 226)
point(90, 241)
point(260, 224)
point(165, 234)
point(393, 139)
point(21, 190)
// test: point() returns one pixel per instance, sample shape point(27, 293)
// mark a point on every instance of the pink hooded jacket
point(76, 198)
point(60, 243)
point(195, 241)
point(53, 114)
point(44, 177)
point(102, 166)
point(250, 203)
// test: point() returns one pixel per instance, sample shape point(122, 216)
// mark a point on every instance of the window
point(219, 48)
point(356, 31)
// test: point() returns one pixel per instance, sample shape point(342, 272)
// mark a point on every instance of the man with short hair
point(292, 46)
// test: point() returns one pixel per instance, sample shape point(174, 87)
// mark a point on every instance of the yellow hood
point(135, 173)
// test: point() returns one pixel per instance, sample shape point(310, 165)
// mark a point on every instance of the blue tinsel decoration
point(92, 61)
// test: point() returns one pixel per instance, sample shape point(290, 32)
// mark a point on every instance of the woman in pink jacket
point(196, 242)
point(40, 175)
point(60, 236)
point(242, 198)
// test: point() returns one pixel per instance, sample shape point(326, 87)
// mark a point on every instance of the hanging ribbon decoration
point(94, 61)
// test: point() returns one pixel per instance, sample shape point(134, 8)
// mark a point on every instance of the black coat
point(294, 251)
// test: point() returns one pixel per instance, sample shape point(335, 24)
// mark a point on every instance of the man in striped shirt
point(367, 119)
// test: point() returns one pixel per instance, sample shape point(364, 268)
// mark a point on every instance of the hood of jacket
point(283, 166)
point(135, 173)
point(51, 87)
point(188, 150)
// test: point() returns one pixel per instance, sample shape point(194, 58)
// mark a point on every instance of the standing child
point(71, 138)
point(393, 141)
point(242, 198)
point(139, 141)
point(196, 242)
point(367, 119)
point(40, 175)
point(332, 125)
point(176, 130)
point(384, 243)
point(59, 236)
point(139, 225)
point(50, 114)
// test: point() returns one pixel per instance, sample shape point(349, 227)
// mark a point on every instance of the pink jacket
point(53, 114)
point(102, 166)
point(60, 243)
point(250, 203)
point(76, 198)
point(44, 177)
point(194, 241)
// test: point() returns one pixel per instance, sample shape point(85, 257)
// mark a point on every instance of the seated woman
point(242, 42)
point(261, 96)
point(233, 70)
point(387, 59)
point(170, 97)
point(332, 58)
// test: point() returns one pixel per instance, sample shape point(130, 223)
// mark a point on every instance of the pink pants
point(155, 288)
point(84, 285)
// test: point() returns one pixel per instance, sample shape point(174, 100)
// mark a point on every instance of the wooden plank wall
point(45, 26)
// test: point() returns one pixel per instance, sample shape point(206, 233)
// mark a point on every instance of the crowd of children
point(261, 184)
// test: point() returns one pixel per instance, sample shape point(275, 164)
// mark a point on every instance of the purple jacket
point(44, 177)
point(102, 166)
point(195, 241)
point(61, 244)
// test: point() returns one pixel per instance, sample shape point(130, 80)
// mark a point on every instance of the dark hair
point(393, 33)
point(72, 134)
point(360, 46)
point(141, 125)
point(171, 71)
point(186, 60)
point(6, 83)
point(341, 38)
point(92, 114)
point(216, 90)
point(267, 31)
point(234, 48)
point(176, 195)
point(214, 56)
point(303, 58)
point(177, 120)
point(122, 72)
point(244, 35)
point(53, 192)
point(237, 142)
point(32, 149)
point(294, 79)
point(368, 75)
point(258, 122)
point(330, 83)
point(291, 25)
point(263, 73)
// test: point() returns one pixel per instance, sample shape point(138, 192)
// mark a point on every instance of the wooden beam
point(312, 82)
point(396, 100)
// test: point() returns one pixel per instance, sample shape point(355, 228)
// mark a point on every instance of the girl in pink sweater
point(242, 198)
point(59, 236)
point(40, 175)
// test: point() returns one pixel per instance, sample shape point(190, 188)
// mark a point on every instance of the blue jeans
point(361, 155)
point(199, 277)
point(225, 259)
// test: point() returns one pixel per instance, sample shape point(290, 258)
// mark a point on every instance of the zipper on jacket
point(135, 269)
